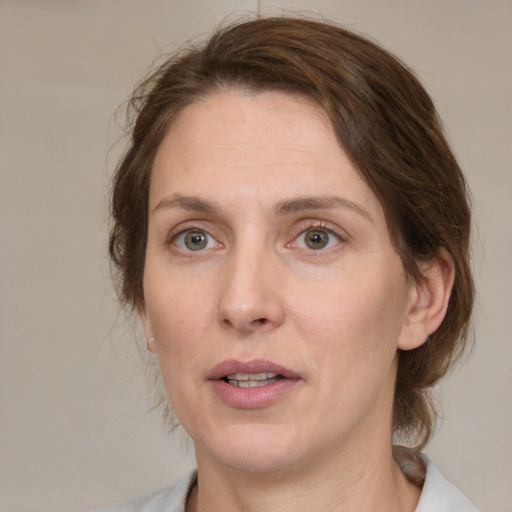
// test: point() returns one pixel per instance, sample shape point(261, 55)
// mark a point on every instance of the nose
point(250, 298)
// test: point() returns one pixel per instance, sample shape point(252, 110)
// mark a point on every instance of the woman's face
point(272, 289)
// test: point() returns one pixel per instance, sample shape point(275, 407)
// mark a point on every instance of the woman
point(293, 229)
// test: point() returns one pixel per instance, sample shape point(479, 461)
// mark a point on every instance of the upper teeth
point(251, 376)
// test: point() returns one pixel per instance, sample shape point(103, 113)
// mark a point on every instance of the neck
point(366, 481)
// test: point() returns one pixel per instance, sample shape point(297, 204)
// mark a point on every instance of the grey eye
point(195, 240)
point(316, 238)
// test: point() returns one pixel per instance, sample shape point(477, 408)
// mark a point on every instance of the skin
point(335, 316)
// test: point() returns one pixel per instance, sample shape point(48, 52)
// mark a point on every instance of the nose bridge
point(249, 293)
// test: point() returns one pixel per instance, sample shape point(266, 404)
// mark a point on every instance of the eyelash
point(301, 230)
point(174, 236)
point(316, 226)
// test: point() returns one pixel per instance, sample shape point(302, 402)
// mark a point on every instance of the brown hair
point(385, 121)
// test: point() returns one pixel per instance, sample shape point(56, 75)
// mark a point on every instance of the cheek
point(179, 342)
point(352, 334)
point(178, 315)
point(355, 318)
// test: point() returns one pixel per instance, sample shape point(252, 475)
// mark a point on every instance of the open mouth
point(251, 380)
point(251, 384)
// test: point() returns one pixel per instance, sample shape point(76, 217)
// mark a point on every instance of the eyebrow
point(282, 208)
point(189, 203)
point(300, 204)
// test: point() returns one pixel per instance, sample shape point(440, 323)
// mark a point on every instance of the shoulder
point(439, 495)
point(170, 499)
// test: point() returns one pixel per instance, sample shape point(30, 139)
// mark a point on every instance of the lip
point(254, 397)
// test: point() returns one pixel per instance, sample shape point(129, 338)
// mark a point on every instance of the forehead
point(230, 118)
point(261, 146)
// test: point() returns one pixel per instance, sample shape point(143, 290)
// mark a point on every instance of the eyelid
point(301, 227)
point(180, 241)
point(310, 225)
point(307, 224)
point(185, 228)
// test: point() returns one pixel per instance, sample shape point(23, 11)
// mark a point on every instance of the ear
point(428, 300)
point(148, 331)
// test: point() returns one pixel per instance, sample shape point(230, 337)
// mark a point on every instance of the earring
point(151, 340)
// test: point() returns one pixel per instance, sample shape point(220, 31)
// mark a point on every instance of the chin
point(255, 449)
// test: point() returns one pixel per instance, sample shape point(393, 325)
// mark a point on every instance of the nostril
point(252, 324)
point(248, 325)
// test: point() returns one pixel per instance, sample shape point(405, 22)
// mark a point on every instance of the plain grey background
point(75, 433)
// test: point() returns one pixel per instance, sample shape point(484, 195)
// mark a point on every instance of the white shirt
point(438, 495)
